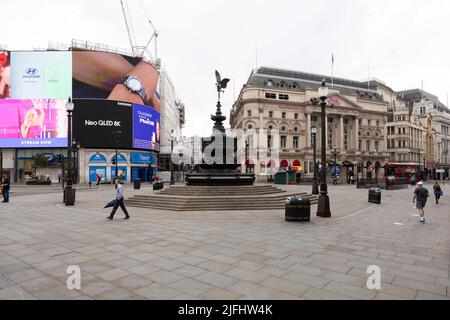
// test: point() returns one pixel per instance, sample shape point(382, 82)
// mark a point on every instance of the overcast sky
point(406, 41)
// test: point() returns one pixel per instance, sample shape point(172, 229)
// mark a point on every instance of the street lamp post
point(315, 187)
point(172, 138)
point(69, 193)
point(323, 207)
point(117, 143)
point(246, 156)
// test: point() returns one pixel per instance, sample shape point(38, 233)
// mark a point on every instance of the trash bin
point(69, 196)
point(298, 209)
point(158, 186)
point(137, 183)
point(375, 195)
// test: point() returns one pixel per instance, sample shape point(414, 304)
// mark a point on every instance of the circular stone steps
point(220, 198)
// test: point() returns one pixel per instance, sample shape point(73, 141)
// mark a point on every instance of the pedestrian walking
point(5, 190)
point(421, 195)
point(119, 201)
point(437, 191)
point(97, 181)
point(59, 177)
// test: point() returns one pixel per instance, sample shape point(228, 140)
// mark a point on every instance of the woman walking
point(437, 191)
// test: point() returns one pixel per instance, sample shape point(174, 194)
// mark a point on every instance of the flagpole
point(332, 70)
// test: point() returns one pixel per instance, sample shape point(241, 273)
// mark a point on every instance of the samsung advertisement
point(35, 86)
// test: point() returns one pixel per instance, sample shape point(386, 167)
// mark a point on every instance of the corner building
point(356, 117)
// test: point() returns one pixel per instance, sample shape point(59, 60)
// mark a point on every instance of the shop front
point(143, 166)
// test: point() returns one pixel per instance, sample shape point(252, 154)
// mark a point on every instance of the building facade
point(280, 100)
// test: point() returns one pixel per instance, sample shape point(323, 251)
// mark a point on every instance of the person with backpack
point(5, 190)
point(437, 191)
point(421, 195)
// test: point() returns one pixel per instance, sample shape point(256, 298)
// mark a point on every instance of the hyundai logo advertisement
point(36, 75)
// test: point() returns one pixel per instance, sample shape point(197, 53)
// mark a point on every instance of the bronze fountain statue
point(219, 165)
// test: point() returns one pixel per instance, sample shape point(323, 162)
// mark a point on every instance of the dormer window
point(269, 83)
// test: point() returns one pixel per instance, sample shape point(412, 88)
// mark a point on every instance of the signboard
point(143, 158)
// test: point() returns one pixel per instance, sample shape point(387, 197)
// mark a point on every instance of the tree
point(40, 160)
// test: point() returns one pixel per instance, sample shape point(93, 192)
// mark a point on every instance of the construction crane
point(139, 50)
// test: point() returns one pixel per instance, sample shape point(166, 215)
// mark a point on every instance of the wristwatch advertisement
point(134, 84)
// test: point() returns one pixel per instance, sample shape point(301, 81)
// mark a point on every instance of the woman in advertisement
point(115, 77)
point(34, 119)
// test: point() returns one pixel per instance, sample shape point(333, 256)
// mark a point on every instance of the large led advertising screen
point(146, 128)
point(96, 120)
point(101, 75)
point(41, 74)
point(27, 123)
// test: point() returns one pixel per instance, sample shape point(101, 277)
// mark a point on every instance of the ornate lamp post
point(323, 207)
point(172, 138)
point(117, 141)
point(69, 193)
point(315, 187)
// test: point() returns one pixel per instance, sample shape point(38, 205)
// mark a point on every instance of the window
point(283, 129)
point(399, 144)
point(388, 143)
point(283, 115)
point(404, 143)
point(368, 145)
point(269, 83)
point(270, 114)
point(283, 96)
point(330, 120)
point(377, 144)
point(369, 122)
point(345, 139)
point(378, 123)
point(250, 141)
point(330, 139)
point(399, 130)
point(360, 121)
point(359, 144)
point(295, 116)
point(269, 141)
point(271, 95)
point(345, 121)
point(249, 113)
point(283, 142)
point(313, 118)
point(295, 143)
point(250, 127)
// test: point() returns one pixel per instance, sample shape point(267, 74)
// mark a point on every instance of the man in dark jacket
point(421, 195)
point(5, 189)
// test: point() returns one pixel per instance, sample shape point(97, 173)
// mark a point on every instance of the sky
point(400, 42)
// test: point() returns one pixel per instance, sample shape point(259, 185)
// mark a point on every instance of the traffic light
point(59, 158)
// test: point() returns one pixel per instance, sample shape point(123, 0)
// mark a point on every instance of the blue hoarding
point(142, 158)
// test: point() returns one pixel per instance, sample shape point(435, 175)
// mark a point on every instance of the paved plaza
point(222, 255)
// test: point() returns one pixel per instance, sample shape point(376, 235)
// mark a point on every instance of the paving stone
point(215, 279)
point(215, 266)
point(57, 293)
point(252, 291)
point(157, 291)
point(306, 279)
point(39, 284)
point(119, 294)
point(191, 286)
point(419, 285)
point(349, 290)
point(425, 270)
point(422, 295)
point(164, 277)
point(131, 282)
point(330, 267)
point(219, 294)
point(24, 275)
point(247, 275)
point(112, 274)
point(345, 278)
point(144, 269)
point(96, 287)
point(290, 287)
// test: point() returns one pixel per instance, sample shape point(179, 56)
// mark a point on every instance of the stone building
point(276, 100)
